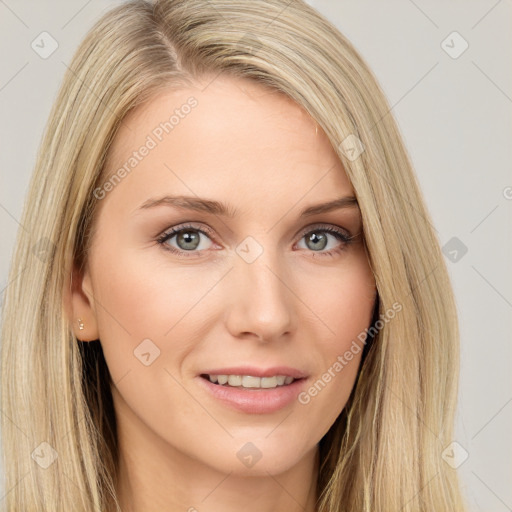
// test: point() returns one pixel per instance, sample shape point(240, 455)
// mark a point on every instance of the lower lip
point(255, 401)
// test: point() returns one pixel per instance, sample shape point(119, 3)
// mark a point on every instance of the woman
point(230, 294)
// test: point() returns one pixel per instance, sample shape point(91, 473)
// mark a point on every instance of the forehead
point(228, 136)
point(243, 107)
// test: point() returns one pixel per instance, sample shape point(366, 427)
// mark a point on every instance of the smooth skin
point(258, 152)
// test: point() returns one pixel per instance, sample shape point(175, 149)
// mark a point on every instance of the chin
point(259, 456)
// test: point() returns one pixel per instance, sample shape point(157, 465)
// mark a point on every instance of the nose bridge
point(262, 302)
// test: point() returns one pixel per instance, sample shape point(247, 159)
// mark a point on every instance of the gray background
point(454, 114)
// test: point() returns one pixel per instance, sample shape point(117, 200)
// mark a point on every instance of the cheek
point(343, 300)
point(138, 300)
point(345, 308)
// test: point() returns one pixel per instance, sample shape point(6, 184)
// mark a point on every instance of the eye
point(188, 240)
point(317, 240)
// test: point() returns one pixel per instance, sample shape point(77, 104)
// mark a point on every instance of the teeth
point(235, 380)
point(248, 381)
point(251, 382)
point(269, 382)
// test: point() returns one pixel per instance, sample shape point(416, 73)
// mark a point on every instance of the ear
point(79, 305)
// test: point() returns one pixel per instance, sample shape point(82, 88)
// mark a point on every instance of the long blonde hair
point(384, 452)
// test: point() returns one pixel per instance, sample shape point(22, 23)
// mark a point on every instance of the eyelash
point(336, 232)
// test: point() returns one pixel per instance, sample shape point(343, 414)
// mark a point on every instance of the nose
point(261, 298)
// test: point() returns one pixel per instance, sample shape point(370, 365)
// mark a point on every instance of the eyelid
point(170, 232)
point(209, 231)
point(320, 226)
point(342, 234)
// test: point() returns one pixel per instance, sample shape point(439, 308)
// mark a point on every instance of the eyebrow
point(219, 208)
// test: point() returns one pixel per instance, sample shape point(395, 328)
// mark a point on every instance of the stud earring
point(80, 324)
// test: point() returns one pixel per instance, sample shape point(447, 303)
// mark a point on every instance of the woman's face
point(250, 285)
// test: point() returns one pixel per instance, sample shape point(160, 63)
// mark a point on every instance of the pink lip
point(253, 401)
point(258, 372)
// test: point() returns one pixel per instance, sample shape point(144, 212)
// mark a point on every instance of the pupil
point(315, 239)
point(189, 238)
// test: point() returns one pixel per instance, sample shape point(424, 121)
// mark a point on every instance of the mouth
point(250, 382)
point(253, 390)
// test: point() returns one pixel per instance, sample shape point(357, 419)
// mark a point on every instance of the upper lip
point(257, 372)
